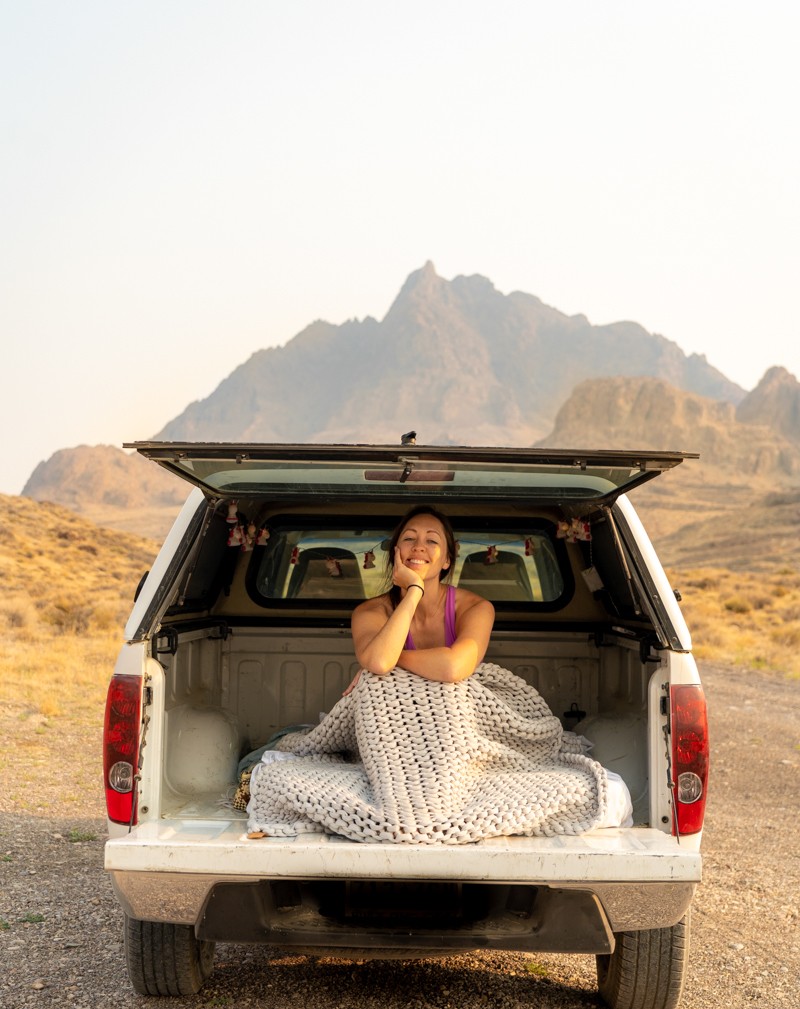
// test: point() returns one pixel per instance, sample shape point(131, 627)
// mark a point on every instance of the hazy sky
point(185, 183)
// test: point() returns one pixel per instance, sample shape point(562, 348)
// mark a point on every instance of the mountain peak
point(423, 279)
point(422, 293)
point(774, 401)
point(428, 270)
point(454, 355)
point(775, 376)
point(420, 283)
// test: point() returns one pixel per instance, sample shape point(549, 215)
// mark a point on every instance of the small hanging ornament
point(236, 538)
point(369, 560)
point(530, 547)
point(249, 540)
point(574, 530)
point(232, 518)
point(491, 555)
point(263, 536)
point(295, 557)
point(334, 567)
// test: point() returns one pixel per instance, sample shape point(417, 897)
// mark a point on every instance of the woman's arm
point(457, 662)
point(380, 631)
point(380, 637)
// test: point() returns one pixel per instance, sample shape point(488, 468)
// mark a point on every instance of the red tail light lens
point(689, 756)
point(121, 746)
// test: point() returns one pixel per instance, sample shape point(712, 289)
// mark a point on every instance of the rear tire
point(646, 969)
point(166, 959)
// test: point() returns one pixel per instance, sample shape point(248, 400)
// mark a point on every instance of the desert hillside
point(734, 507)
point(110, 487)
point(68, 587)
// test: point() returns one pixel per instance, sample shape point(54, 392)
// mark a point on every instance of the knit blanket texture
point(407, 760)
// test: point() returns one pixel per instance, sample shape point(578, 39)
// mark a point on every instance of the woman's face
point(423, 546)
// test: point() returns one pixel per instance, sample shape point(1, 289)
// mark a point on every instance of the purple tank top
point(449, 620)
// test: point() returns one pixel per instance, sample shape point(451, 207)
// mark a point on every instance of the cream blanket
point(403, 759)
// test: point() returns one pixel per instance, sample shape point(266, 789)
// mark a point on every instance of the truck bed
point(223, 695)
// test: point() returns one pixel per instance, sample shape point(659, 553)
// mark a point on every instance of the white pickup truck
point(241, 629)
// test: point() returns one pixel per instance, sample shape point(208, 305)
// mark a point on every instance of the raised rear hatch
point(393, 472)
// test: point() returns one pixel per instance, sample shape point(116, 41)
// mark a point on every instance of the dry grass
point(744, 618)
point(67, 590)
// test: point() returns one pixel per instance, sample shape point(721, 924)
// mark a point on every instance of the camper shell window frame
point(482, 529)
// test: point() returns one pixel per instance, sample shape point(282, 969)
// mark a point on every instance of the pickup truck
point(241, 629)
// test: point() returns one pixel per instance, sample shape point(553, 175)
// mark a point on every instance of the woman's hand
point(353, 684)
point(403, 576)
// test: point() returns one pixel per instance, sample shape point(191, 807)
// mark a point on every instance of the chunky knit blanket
point(403, 759)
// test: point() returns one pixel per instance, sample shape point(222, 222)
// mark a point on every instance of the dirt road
point(60, 941)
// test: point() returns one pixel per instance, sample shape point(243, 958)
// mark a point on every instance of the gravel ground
point(60, 927)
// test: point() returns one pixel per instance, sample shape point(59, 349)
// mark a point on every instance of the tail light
point(121, 746)
point(689, 757)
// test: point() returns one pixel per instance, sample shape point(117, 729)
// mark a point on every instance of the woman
point(423, 624)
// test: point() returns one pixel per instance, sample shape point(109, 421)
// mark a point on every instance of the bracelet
point(414, 585)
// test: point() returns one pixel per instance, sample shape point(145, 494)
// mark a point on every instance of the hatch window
point(299, 564)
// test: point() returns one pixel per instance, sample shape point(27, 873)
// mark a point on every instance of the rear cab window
point(300, 562)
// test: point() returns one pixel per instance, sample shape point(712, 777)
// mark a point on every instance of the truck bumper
point(325, 891)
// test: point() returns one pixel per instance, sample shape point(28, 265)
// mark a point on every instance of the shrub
point(70, 615)
point(737, 604)
point(788, 636)
point(18, 612)
point(107, 617)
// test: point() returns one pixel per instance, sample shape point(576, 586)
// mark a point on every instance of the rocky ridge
point(775, 402)
point(634, 413)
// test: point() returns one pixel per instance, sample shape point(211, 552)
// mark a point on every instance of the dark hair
point(450, 541)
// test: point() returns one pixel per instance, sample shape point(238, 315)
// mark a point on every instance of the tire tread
point(166, 959)
point(646, 970)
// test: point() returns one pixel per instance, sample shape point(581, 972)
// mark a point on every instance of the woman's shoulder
point(377, 604)
point(466, 601)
